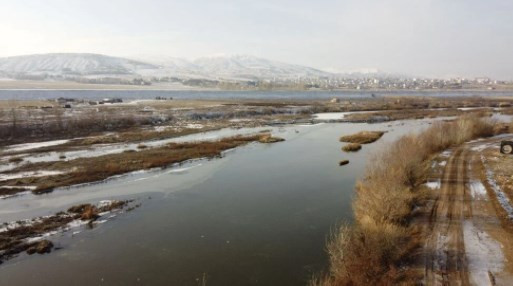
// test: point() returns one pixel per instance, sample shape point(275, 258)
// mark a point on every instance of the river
point(223, 95)
point(260, 215)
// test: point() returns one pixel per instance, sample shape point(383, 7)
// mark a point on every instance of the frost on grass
point(484, 254)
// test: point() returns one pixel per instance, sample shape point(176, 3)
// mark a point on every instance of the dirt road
point(468, 241)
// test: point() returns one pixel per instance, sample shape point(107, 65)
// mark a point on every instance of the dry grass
point(137, 136)
point(268, 138)
point(352, 147)
point(376, 248)
point(363, 137)
point(15, 160)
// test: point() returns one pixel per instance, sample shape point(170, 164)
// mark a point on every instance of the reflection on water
point(258, 216)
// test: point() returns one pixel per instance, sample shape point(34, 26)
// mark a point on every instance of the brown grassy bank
point(94, 169)
point(351, 147)
point(363, 137)
point(379, 246)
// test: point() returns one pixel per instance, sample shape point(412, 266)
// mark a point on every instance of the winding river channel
point(260, 215)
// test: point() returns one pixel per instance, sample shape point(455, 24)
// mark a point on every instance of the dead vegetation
point(14, 238)
point(352, 147)
point(15, 160)
point(137, 135)
point(268, 138)
point(85, 170)
point(363, 137)
point(376, 249)
point(11, 191)
point(498, 168)
point(20, 125)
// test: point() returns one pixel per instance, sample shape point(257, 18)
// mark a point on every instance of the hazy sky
point(416, 37)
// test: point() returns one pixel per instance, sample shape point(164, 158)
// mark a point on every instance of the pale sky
point(414, 37)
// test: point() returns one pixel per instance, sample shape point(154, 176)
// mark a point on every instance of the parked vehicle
point(507, 147)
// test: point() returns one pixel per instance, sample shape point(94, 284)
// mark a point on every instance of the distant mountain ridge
point(238, 67)
point(244, 66)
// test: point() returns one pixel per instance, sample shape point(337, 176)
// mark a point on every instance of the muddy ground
point(468, 224)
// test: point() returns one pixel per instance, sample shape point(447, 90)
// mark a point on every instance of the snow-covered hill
point(71, 64)
point(219, 67)
point(243, 66)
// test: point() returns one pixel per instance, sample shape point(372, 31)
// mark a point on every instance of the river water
point(260, 215)
point(152, 94)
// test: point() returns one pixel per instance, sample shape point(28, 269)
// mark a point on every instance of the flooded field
point(260, 215)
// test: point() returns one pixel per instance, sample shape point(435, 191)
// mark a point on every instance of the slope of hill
point(71, 64)
point(222, 67)
point(243, 66)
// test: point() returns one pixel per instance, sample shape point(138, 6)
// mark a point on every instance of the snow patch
point(19, 187)
point(194, 126)
point(446, 153)
point(433, 185)
point(480, 147)
point(484, 254)
point(162, 128)
point(336, 115)
point(5, 177)
point(30, 146)
point(477, 190)
point(240, 119)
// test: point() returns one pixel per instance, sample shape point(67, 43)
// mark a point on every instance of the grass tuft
point(352, 147)
point(363, 137)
